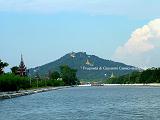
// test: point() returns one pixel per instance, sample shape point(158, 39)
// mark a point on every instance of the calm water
point(85, 103)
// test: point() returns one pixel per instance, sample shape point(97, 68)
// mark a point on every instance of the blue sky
point(44, 30)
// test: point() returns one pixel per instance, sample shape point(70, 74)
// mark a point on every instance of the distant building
point(112, 75)
point(72, 54)
point(89, 63)
point(22, 70)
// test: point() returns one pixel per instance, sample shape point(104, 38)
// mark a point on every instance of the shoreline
point(149, 85)
point(14, 94)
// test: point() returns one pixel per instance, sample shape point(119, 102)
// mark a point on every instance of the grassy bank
point(11, 82)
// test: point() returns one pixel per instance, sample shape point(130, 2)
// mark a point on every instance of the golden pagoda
point(89, 63)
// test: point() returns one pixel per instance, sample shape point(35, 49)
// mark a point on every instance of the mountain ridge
point(89, 67)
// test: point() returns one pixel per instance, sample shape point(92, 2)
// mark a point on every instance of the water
point(85, 103)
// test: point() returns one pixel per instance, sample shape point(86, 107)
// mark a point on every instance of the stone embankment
point(8, 95)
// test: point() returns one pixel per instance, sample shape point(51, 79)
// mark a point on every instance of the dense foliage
point(147, 76)
point(14, 82)
point(11, 82)
point(46, 82)
point(2, 66)
point(69, 75)
point(54, 75)
point(14, 70)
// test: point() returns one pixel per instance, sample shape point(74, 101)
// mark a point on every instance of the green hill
point(90, 67)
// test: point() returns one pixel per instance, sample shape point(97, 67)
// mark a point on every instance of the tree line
point(14, 82)
point(151, 75)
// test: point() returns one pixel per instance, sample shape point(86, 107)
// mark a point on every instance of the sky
point(45, 30)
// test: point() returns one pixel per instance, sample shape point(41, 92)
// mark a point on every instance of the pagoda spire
point(22, 70)
point(21, 58)
point(89, 63)
point(112, 75)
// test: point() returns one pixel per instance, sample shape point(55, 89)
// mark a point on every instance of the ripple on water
point(85, 103)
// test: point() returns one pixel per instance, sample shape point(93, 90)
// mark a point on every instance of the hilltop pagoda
point(22, 70)
point(112, 75)
point(89, 63)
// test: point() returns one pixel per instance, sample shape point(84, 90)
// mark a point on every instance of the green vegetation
point(11, 82)
point(54, 75)
point(14, 70)
point(46, 82)
point(2, 66)
point(69, 75)
point(148, 76)
point(78, 61)
point(14, 82)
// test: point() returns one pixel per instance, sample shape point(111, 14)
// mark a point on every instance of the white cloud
point(138, 49)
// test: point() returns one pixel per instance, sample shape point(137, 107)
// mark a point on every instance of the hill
point(90, 67)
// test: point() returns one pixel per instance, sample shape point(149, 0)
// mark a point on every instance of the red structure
point(22, 70)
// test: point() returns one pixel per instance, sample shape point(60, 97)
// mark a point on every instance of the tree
point(55, 75)
point(14, 70)
point(68, 75)
point(11, 82)
point(2, 66)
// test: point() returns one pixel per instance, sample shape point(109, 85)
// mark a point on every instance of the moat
point(86, 103)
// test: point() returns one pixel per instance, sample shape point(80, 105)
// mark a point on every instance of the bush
point(10, 82)
point(55, 83)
